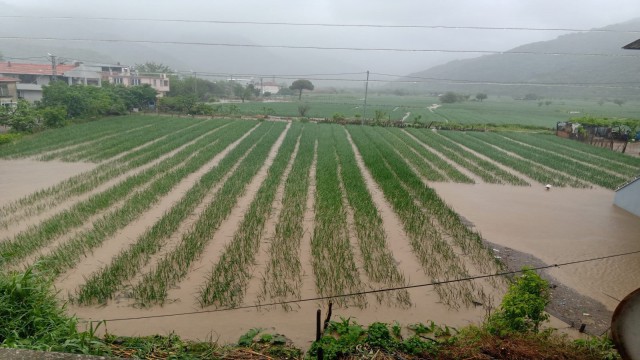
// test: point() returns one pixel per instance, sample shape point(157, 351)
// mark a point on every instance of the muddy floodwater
point(557, 226)
point(19, 178)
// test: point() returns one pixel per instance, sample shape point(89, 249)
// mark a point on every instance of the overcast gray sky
point(581, 14)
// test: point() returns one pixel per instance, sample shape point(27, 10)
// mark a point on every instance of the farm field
point(171, 215)
point(496, 110)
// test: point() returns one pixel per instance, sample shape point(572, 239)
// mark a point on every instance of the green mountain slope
point(615, 74)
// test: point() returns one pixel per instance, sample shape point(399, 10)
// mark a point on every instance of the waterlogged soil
point(532, 226)
point(22, 177)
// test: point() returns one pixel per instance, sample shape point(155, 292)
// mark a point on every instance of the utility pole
point(195, 83)
point(366, 91)
point(54, 68)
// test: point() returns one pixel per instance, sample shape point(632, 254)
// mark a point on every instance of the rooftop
point(32, 69)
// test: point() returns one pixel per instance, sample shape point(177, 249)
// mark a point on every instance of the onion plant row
point(553, 161)
point(423, 167)
point(529, 168)
point(542, 142)
point(226, 285)
point(175, 266)
point(64, 137)
point(82, 183)
point(66, 255)
point(104, 283)
point(282, 279)
point(449, 170)
point(126, 141)
point(378, 262)
point(35, 237)
point(333, 260)
point(605, 153)
point(487, 171)
point(400, 186)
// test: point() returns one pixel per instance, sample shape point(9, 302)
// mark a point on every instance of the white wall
point(628, 197)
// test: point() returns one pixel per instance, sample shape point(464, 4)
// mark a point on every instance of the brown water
point(557, 226)
point(22, 177)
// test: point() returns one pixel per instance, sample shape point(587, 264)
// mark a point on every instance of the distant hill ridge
point(616, 70)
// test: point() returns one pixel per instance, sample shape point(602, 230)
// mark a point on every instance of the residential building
point(123, 75)
point(268, 87)
point(33, 76)
point(8, 91)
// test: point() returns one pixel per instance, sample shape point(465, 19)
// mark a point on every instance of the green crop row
point(53, 139)
point(106, 148)
point(333, 260)
point(101, 285)
point(32, 239)
point(283, 276)
point(486, 170)
point(449, 170)
point(553, 161)
point(378, 262)
point(410, 198)
point(173, 267)
point(82, 183)
point(226, 285)
point(423, 167)
point(543, 142)
point(65, 256)
point(523, 166)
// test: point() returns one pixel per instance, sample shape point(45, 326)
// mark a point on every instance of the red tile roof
point(32, 69)
point(8, 79)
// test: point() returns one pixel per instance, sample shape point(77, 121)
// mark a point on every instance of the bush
point(522, 308)
point(7, 138)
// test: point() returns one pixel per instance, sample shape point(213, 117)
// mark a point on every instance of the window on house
point(155, 82)
point(4, 90)
point(135, 81)
point(166, 83)
point(117, 80)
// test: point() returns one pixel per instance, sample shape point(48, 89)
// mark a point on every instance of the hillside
point(615, 75)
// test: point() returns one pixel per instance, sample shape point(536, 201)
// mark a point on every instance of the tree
point(300, 85)
point(481, 96)
point(303, 109)
point(151, 67)
point(22, 118)
point(449, 97)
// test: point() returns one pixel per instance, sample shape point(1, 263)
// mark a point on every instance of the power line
point(301, 47)
point(285, 23)
point(360, 293)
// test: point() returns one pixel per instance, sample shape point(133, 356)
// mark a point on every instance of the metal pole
point(54, 68)
point(366, 91)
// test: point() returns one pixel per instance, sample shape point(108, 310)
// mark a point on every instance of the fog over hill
point(616, 74)
point(380, 36)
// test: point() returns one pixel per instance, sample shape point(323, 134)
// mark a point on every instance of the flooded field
point(19, 178)
point(197, 225)
point(557, 226)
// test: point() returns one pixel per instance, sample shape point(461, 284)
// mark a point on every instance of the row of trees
point(61, 102)
point(451, 97)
